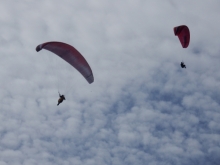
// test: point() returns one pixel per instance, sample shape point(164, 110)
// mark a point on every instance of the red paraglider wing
point(183, 34)
point(70, 55)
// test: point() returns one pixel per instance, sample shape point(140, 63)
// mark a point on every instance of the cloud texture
point(142, 107)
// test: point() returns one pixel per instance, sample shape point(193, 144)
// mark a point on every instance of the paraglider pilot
point(183, 65)
point(62, 97)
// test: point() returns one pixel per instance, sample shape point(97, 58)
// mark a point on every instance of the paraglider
point(184, 37)
point(70, 55)
point(62, 97)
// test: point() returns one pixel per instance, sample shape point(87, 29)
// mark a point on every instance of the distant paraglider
point(70, 55)
point(184, 36)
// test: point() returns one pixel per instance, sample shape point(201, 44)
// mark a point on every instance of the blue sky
point(142, 107)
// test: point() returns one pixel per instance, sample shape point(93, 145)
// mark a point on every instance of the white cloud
point(142, 107)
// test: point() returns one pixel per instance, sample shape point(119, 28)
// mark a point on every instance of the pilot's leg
point(59, 101)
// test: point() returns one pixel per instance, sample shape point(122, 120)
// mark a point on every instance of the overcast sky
point(142, 109)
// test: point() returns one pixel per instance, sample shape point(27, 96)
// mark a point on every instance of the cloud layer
point(142, 107)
